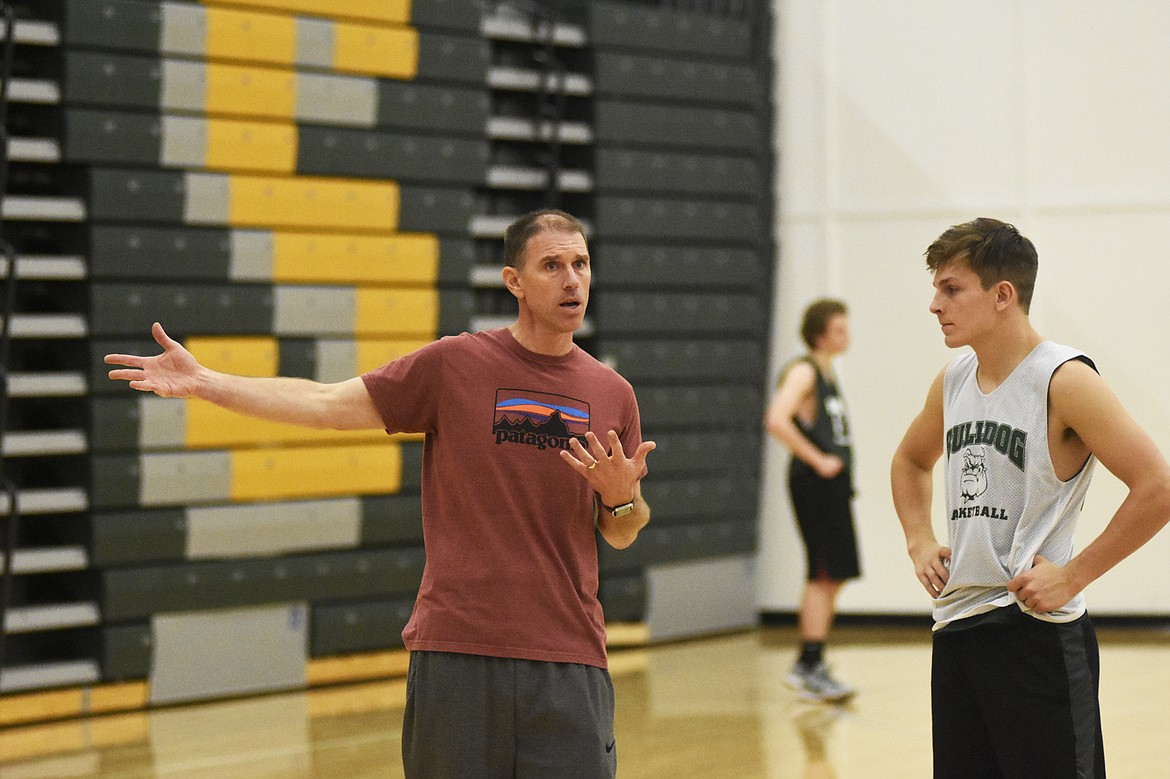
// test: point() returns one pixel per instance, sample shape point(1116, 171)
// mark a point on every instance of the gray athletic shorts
point(484, 717)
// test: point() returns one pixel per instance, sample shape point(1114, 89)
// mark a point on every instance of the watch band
point(619, 510)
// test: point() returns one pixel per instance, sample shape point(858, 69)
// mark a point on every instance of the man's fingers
point(579, 463)
point(615, 445)
point(595, 447)
point(160, 335)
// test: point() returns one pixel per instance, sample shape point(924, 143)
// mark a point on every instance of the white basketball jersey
point(1005, 504)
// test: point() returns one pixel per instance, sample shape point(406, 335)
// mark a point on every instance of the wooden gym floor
point(713, 707)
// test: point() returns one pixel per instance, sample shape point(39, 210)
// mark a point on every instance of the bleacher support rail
point(7, 307)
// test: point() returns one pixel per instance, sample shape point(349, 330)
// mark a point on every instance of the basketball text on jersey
point(1005, 439)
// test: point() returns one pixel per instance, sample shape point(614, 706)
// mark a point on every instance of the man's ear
point(511, 278)
point(1005, 294)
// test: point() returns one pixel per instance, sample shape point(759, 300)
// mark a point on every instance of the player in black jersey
point(807, 415)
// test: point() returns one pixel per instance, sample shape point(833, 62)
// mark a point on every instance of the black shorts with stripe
point(1013, 696)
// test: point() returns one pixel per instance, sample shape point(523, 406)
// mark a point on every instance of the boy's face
point(835, 338)
point(965, 310)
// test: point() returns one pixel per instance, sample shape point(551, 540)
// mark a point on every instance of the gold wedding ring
point(591, 465)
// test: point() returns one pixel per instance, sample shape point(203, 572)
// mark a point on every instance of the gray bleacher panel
point(111, 80)
point(298, 358)
point(685, 80)
point(695, 406)
point(136, 251)
point(456, 311)
point(660, 126)
point(240, 530)
point(696, 315)
point(412, 456)
point(334, 360)
point(420, 106)
point(662, 172)
point(453, 58)
point(112, 24)
point(137, 536)
point(623, 596)
point(179, 478)
point(345, 628)
point(135, 593)
point(685, 360)
point(644, 27)
point(391, 520)
point(664, 544)
point(679, 500)
point(705, 453)
point(621, 265)
point(621, 217)
point(336, 151)
point(116, 481)
point(237, 309)
point(453, 14)
point(126, 651)
point(444, 210)
point(456, 260)
point(112, 137)
point(137, 195)
point(114, 423)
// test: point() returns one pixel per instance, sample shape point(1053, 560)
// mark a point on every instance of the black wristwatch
point(618, 511)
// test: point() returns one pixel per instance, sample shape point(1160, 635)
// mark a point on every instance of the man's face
point(964, 308)
point(552, 279)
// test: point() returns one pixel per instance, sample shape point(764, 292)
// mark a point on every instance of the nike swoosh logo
point(609, 747)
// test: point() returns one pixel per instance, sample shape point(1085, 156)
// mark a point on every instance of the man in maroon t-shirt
point(508, 666)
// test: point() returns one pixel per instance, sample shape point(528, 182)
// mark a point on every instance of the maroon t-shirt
point(511, 567)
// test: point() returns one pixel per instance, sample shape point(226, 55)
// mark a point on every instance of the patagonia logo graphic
point(539, 419)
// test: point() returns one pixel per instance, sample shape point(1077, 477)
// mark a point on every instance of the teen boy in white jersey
point(1020, 423)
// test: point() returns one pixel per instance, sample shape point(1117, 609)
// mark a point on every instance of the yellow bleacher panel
point(406, 258)
point(375, 352)
point(302, 472)
point(243, 356)
point(211, 427)
point(249, 36)
point(237, 145)
point(396, 11)
point(313, 203)
point(377, 51)
point(53, 704)
point(413, 312)
point(266, 92)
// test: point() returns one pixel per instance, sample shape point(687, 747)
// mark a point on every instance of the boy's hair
point(994, 250)
point(519, 232)
point(816, 319)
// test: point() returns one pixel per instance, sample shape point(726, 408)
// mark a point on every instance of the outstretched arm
point(616, 479)
point(911, 481)
point(1081, 403)
point(176, 373)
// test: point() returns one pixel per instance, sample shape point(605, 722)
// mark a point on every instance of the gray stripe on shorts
point(1082, 693)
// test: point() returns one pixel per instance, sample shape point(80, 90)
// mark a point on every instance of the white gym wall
point(899, 119)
